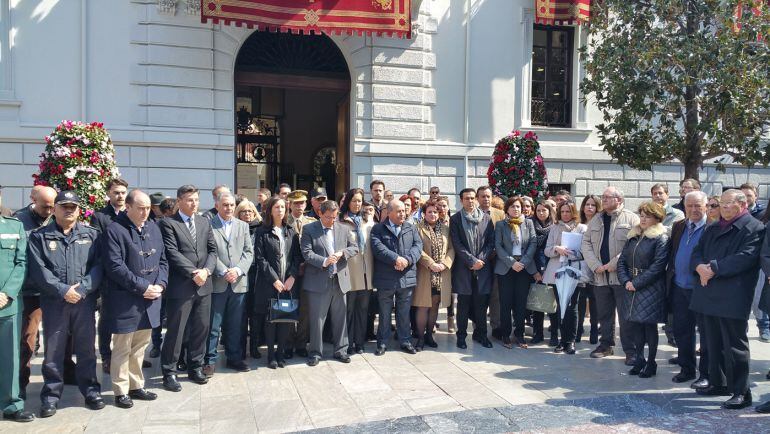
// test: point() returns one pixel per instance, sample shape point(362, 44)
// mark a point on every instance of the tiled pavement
point(442, 390)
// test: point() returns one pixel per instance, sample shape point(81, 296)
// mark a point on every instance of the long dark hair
point(597, 202)
point(345, 206)
point(268, 223)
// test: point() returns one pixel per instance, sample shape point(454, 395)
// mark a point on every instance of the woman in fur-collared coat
point(642, 271)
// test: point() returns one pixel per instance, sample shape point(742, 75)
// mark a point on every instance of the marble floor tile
point(281, 416)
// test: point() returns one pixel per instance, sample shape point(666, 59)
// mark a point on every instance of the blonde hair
point(247, 204)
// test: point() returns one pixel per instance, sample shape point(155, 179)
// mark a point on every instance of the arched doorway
point(292, 98)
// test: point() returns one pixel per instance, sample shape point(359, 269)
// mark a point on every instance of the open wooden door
point(342, 182)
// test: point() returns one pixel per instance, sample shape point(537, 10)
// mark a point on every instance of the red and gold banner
point(562, 12)
point(380, 17)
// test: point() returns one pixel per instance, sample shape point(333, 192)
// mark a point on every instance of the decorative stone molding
point(193, 7)
point(167, 7)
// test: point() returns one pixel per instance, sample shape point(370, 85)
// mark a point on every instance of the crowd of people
point(273, 274)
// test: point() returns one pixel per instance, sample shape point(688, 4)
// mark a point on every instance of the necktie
point(690, 231)
point(191, 226)
point(330, 248)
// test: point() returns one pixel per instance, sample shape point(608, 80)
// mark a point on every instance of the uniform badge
point(52, 246)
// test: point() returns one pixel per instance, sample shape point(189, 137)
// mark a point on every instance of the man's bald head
point(43, 199)
point(138, 207)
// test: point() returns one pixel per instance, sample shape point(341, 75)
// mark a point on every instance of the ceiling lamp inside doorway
point(378, 17)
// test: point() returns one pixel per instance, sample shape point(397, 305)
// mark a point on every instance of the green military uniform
point(13, 264)
point(301, 334)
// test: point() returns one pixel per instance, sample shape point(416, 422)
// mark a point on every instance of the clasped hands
point(606, 267)
point(478, 265)
point(153, 292)
point(563, 251)
point(284, 286)
point(72, 296)
point(231, 275)
point(705, 272)
point(437, 267)
point(333, 259)
point(200, 276)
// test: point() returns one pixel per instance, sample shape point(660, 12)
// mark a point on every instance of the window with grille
point(552, 76)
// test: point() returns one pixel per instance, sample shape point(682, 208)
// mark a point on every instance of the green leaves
point(673, 80)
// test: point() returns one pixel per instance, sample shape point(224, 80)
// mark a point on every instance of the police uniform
point(13, 262)
point(301, 334)
point(58, 261)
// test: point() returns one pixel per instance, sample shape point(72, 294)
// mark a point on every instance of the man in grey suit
point(326, 246)
point(235, 253)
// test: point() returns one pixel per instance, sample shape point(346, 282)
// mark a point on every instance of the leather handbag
point(284, 310)
point(541, 298)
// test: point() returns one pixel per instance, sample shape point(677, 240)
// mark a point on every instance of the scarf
point(359, 232)
point(723, 224)
point(436, 251)
point(514, 223)
point(471, 226)
point(541, 232)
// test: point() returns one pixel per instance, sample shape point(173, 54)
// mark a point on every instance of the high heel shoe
point(429, 341)
point(650, 369)
point(419, 345)
point(638, 367)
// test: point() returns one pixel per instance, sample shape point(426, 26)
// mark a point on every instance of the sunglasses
point(713, 205)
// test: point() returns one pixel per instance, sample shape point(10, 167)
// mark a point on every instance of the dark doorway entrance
point(292, 108)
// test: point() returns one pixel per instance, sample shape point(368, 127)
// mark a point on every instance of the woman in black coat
point(642, 270)
point(277, 255)
point(250, 327)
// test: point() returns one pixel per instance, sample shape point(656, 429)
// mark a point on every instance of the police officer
point(13, 263)
point(65, 265)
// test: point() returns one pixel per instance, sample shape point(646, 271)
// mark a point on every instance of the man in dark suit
point(117, 189)
point(685, 235)
point(473, 237)
point(192, 256)
point(727, 262)
point(396, 248)
point(326, 246)
point(136, 274)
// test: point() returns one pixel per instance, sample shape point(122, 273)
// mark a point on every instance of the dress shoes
point(342, 357)
point(313, 361)
point(106, 363)
point(154, 352)
point(649, 370)
point(683, 377)
point(554, 341)
point(209, 370)
point(95, 402)
point(408, 348)
point(19, 416)
point(351, 350)
point(429, 341)
point(738, 401)
point(300, 352)
point(380, 350)
point(763, 408)
point(171, 384)
point(47, 409)
point(601, 352)
point(559, 349)
point(713, 391)
point(123, 401)
point(238, 366)
point(142, 395)
point(281, 363)
point(536, 339)
point(638, 366)
point(485, 342)
point(700, 383)
point(359, 349)
point(461, 344)
point(630, 359)
point(274, 364)
point(673, 360)
point(197, 376)
point(569, 348)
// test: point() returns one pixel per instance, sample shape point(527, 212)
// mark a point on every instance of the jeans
point(226, 314)
point(763, 319)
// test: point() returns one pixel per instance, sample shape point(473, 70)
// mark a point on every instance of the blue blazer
point(386, 248)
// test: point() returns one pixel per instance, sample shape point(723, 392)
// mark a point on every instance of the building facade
point(417, 112)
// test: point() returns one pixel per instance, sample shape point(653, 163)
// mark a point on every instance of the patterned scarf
point(436, 251)
point(514, 223)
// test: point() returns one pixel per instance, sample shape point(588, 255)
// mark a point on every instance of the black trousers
point(729, 356)
point(587, 294)
point(608, 300)
point(157, 332)
point(513, 290)
point(277, 333)
point(197, 310)
point(684, 324)
point(475, 304)
point(358, 311)
point(569, 324)
point(105, 337)
point(60, 320)
point(252, 327)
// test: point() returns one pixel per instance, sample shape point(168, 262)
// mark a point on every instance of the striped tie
point(191, 226)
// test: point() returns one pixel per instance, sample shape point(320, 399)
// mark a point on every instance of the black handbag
point(284, 310)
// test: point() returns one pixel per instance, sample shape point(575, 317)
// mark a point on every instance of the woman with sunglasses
point(712, 213)
point(559, 256)
point(642, 271)
point(250, 328)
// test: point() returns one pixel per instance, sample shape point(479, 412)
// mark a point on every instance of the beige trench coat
point(422, 297)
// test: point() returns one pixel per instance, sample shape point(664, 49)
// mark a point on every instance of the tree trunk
point(691, 157)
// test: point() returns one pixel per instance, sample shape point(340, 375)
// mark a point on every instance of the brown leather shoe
point(209, 370)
